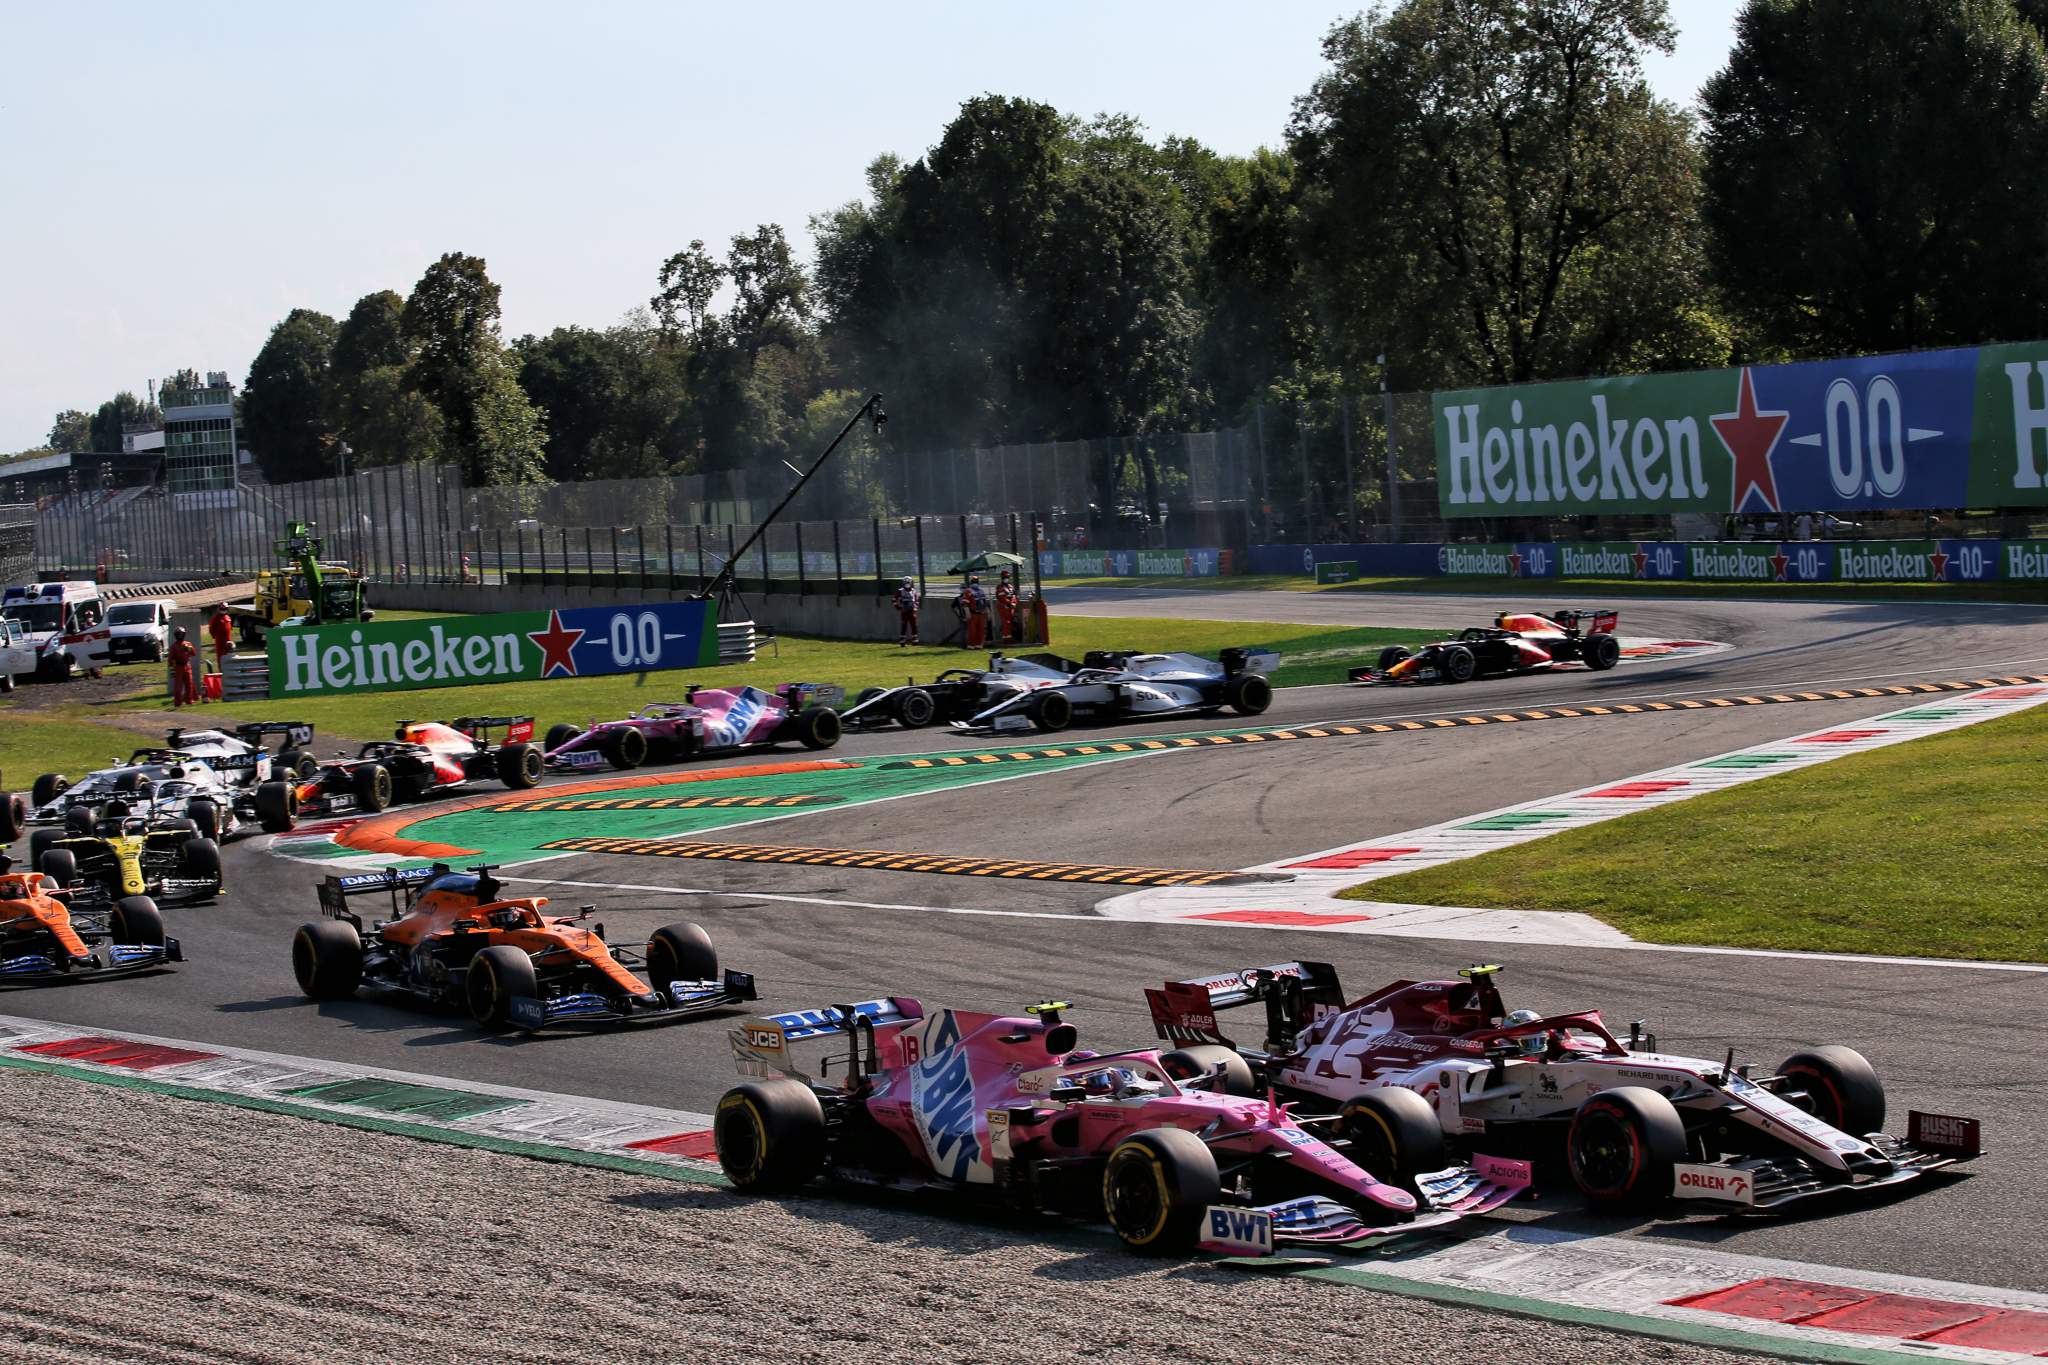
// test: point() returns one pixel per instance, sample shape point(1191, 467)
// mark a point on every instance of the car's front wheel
point(1841, 1088)
point(1622, 1146)
point(499, 977)
point(1155, 1187)
point(277, 806)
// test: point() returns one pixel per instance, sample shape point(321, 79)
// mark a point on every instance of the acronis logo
point(942, 1098)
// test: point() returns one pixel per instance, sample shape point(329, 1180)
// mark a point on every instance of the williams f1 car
point(1422, 1064)
point(1169, 1150)
point(43, 938)
point(1046, 692)
point(426, 758)
point(708, 720)
point(1517, 642)
point(454, 940)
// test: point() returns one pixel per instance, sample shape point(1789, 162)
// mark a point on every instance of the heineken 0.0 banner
point(517, 646)
point(1935, 429)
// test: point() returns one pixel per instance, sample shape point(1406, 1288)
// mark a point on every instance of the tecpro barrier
point(518, 646)
point(1791, 561)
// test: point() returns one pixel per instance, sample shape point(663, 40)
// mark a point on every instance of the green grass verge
point(1926, 849)
point(72, 738)
point(1545, 588)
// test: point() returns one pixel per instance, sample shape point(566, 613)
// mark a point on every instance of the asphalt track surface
point(1948, 1038)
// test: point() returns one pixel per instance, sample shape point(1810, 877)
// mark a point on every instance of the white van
point(17, 655)
point(66, 625)
point(141, 630)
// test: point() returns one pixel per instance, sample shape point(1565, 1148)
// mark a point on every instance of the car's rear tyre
point(816, 727)
point(1155, 1187)
point(327, 958)
point(60, 865)
point(128, 782)
point(277, 806)
point(1394, 1135)
point(558, 735)
point(1051, 711)
point(114, 811)
point(770, 1135)
point(625, 747)
point(373, 787)
point(135, 919)
point(1622, 1146)
point(202, 862)
point(680, 952)
point(295, 763)
point(1456, 664)
point(498, 976)
point(39, 842)
point(914, 708)
point(868, 694)
point(205, 817)
point(81, 821)
point(1841, 1087)
point(1392, 655)
point(1248, 694)
point(13, 814)
point(1200, 1062)
point(520, 765)
point(46, 789)
point(1601, 652)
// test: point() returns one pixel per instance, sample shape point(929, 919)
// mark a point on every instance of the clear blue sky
point(182, 176)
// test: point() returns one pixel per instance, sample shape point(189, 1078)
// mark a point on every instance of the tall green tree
point(617, 401)
point(284, 415)
point(124, 409)
point(1491, 192)
point(450, 322)
point(689, 281)
point(71, 431)
point(1874, 173)
point(361, 401)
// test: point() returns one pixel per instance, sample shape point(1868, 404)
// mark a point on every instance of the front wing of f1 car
point(108, 960)
point(533, 1013)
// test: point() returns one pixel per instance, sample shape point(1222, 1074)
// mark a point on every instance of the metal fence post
point(1350, 485)
point(767, 570)
point(640, 547)
point(1393, 482)
point(589, 558)
point(802, 584)
point(875, 524)
point(702, 577)
point(668, 557)
point(838, 564)
point(920, 559)
point(963, 536)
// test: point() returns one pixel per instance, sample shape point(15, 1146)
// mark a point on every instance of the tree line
point(1471, 192)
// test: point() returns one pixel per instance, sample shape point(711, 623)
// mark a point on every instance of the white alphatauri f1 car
point(1046, 691)
point(1421, 1065)
point(239, 756)
point(156, 785)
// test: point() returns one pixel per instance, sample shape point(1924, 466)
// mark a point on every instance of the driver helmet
point(1533, 1044)
point(1107, 1083)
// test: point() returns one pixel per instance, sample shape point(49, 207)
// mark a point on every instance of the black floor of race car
point(1943, 1036)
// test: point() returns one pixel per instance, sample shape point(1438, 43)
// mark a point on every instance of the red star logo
point(1642, 564)
point(557, 647)
point(1940, 562)
point(1514, 564)
point(1750, 437)
point(1778, 565)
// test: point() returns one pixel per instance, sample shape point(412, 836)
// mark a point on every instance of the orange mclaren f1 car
point(42, 939)
point(453, 939)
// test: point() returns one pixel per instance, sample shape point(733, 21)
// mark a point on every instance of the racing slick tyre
point(1622, 1145)
point(1052, 711)
point(1601, 652)
point(135, 919)
point(373, 787)
point(915, 708)
point(770, 1135)
point(38, 842)
point(115, 811)
point(1395, 1135)
point(868, 694)
point(1201, 1061)
point(60, 865)
point(295, 763)
point(1841, 1088)
point(201, 862)
point(519, 765)
point(13, 814)
point(498, 976)
point(327, 958)
point(277, 806)
point(1155, 1187)
point(46, 789)
point(816, 727)
point(558, 735)
point(81, 821)
point(1392, 655)
point(680, 952)
point(128, 782)
point(205, 817)
point(1457, 664)
point(625, 748)
point(1248, 694)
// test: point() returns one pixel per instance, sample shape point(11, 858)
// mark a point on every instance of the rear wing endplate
point(297, 733)
point(518, 729)
point(335, 891)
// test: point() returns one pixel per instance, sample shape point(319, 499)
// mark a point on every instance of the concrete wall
point(857, 616)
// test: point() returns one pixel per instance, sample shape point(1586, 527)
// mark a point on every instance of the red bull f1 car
point(44, 938)
point(455, 940)
point(1517, 642)
point(1426, 1065)
point(426, 758)
point(708, 720)
point(1166, 1147)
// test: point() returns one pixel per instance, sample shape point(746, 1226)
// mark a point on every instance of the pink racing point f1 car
point(1422, 1065)
point(1167, 1148)
point(708, 720)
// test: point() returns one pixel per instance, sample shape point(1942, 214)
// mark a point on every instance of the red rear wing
point(1592, 621)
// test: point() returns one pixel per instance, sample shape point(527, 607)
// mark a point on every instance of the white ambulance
point(65, 624)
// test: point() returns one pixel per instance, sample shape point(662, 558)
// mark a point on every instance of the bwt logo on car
point(1240, 1227)
point(942, 1096)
